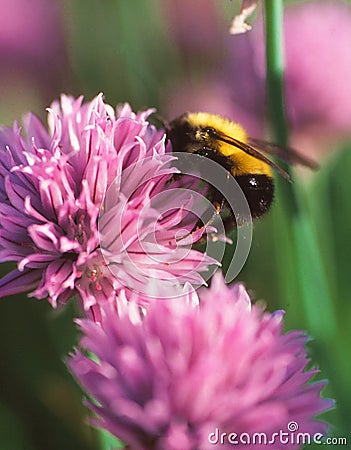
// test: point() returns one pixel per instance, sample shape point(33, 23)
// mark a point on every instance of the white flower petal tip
point(239, 25)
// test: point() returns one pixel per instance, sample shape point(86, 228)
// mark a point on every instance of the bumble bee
point(227, 143)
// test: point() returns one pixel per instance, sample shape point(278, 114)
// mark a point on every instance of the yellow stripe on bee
point(243, 164)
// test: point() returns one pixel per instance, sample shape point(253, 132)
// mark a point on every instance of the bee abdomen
point(259, 192)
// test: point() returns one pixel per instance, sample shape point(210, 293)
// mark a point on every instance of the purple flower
point(55, 184)
point(170, 378)
point(195, 38)
point(32, 45)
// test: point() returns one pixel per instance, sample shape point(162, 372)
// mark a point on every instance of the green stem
point(274, 10)
point(311, 276)
point(275, 67)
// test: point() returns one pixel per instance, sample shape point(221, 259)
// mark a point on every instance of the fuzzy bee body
point(227, 143)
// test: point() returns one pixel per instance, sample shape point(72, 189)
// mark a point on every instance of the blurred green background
point(145, 52)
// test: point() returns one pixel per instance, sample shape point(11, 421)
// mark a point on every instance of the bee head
point(186, 137)
point(203, 133)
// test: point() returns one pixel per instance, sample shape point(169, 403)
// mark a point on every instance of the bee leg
point(201, 225)
point(233, 221)
point(229, 223)
point(218, 208)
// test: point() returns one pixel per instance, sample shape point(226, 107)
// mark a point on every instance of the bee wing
point(250, 150)
point(287, 154)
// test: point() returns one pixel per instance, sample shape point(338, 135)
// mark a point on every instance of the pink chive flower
point(169, 379)
point(54, 187)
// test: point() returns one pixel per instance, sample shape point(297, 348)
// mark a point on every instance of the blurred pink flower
point(167, 379)
point(52, 189)
point(318, 69)
point(32, 44)
point(194, 37)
